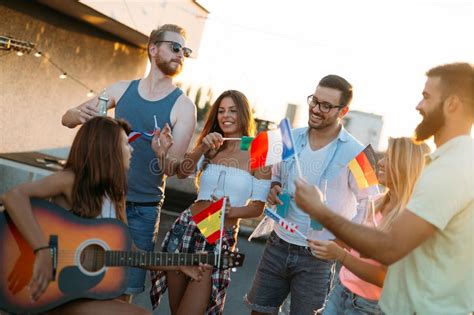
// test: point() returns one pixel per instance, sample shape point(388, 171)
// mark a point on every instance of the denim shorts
point(342, 301)
point(286, 268)
point(141, 223)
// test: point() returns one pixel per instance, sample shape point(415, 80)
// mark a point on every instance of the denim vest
point(342, 194)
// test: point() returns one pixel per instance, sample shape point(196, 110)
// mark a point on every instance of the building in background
point(366, 127)
point(80, 47)
point(95, 43)
point(144, 16)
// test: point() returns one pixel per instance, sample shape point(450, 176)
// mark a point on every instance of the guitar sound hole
point(93, 258)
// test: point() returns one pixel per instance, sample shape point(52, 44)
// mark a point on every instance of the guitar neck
point(150, 259)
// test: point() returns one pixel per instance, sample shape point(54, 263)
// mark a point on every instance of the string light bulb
point(28, 47)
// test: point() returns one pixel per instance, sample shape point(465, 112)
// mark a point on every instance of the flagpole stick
point(156, 128)
point(298, 166)
point(231, 138)
point(221, 233)
point(373, 211)
point(373, 205)
point(301, 234)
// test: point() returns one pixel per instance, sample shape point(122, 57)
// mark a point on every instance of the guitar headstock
point(232, 259)
point(9, 43)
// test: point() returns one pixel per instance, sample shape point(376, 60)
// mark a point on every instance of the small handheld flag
point(363, 168)
point(134, 135)
point(245, 142)
point(271, 147)
point(291, 227)
point(209, 221)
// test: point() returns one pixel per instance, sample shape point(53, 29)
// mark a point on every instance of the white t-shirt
point(108, 210)
point(312, 169)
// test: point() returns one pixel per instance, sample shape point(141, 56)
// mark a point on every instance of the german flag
point(363, 168)
point(209, 221)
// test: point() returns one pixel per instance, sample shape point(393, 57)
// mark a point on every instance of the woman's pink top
point(355, 284)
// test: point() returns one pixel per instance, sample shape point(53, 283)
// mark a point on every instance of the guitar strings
point(95, 257)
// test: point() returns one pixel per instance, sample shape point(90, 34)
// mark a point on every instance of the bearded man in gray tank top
point(139, 102)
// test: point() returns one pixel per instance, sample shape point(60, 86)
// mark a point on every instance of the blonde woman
point(360, 282)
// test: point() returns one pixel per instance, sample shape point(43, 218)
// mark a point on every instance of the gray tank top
point(145, 177)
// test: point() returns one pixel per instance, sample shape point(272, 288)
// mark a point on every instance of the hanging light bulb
point(90, 93)
point(63, 75)
point(19, 53)
point(38, 54)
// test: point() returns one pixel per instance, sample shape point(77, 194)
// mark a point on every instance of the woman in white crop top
point(92, 185)
point(229, 117)
point(359, 285)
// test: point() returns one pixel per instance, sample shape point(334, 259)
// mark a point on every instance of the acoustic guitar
point(85, 253)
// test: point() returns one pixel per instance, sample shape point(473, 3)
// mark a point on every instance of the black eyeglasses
point(324, 107)
point(176, 47)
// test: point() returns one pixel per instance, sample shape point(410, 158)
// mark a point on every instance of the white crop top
point(239, 185)
point(108, 209)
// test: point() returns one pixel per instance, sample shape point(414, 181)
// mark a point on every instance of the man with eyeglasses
point(139, 102)
point(324, 149)
point(430, 246)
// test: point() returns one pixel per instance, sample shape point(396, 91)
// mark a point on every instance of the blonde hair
point(156, 33)
point(404, 161)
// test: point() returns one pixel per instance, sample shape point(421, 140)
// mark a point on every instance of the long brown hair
point(98, 165)
point(245, 117)
point(246, 120)
point(404, 162)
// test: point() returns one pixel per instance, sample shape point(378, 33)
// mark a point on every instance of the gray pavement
point(241, 280)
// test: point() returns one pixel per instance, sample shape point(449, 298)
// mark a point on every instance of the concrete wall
point(32, 97)
point(144, 16)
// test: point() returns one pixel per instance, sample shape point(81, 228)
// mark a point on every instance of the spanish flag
point(363, 168)
point(209, 221)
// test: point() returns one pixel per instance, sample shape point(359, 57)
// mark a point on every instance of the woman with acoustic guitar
point(92, 185)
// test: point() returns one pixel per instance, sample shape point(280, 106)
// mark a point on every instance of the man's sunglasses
point(176, 47)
